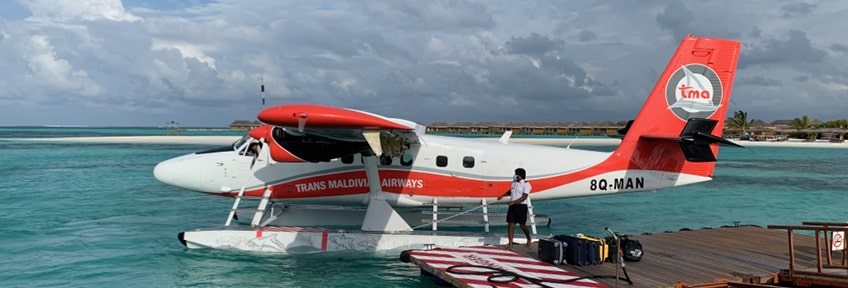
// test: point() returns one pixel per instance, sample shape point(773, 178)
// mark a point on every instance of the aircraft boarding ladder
point(260, 210)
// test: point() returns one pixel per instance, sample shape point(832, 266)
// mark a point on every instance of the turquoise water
point(52, 132)
point(92, 215)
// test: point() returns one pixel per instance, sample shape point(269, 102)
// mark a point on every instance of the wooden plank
point(697, 258)
point(742, 254)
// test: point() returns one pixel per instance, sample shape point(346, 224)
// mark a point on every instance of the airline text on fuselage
point(358, 183)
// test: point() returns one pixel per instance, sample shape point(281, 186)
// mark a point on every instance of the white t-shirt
point(518, 188)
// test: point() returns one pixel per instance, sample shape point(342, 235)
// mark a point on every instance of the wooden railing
point(821, 231)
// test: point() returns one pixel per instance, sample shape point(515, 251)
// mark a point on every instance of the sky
point(201, 63)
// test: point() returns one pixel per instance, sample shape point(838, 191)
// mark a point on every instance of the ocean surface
point(92, 215)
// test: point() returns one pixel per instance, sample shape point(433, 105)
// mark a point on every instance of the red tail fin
point(681, 123)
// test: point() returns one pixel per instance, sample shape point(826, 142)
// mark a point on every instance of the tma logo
point(693, 91)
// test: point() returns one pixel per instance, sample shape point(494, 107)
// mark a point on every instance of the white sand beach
point(224, 140)
point(818, 144)
point(613, 141)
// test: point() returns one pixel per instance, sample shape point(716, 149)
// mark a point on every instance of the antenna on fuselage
point(505, 137)
point(572, 142)
point(262, 90)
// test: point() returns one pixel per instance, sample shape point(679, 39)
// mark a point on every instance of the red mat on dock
point(488, 266)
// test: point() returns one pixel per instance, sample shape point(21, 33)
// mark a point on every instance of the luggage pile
point(582, 250)
point(631, 250)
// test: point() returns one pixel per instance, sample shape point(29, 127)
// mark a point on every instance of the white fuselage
point(454, 170)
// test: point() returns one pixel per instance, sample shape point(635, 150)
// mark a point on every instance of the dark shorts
point(517, 214)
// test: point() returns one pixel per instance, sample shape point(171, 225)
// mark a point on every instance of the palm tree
point(838, 125)
point(801, 124)
point(740, 121)
point(842, 124)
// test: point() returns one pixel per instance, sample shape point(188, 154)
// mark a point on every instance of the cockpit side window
point(246, 146)
point(252, 149)
point(243, 149)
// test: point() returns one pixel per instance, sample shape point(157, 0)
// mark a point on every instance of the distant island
point(778, 130)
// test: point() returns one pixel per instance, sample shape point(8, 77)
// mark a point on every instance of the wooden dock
point(744, 256)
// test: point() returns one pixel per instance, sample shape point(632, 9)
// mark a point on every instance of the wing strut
point(380, 216)
point(373, 138)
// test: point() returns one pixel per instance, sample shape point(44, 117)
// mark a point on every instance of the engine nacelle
point(277, 152)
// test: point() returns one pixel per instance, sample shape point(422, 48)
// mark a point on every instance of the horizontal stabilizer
point(695, 140)
point(701, 137)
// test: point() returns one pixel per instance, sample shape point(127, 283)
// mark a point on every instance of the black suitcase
point(552, 251)
point(593, 252)
point(575, 250)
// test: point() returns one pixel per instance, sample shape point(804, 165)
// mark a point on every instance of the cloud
point(586, 36)
point(72, 10)
point(757, 80)
point(534, 44)
point(801, 78)
point(677, 18)
point(796, 48)
point(200, 62)
point(447, 15)
point(46, 68)
point(839, 48)
point(796, 9)
point(187, 50)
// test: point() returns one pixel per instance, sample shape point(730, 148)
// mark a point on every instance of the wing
point(313, 133)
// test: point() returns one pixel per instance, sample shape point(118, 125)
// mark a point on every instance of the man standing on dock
point(517, 212)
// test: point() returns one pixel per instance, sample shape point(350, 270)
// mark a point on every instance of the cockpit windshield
point(238, 144)
point(235, 147)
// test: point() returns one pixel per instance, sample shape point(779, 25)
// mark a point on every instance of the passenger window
point(441, 161)
point(468, 162)
point(347, 159)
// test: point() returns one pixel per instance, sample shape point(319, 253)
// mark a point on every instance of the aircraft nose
point(163, 172)
point(179, 172)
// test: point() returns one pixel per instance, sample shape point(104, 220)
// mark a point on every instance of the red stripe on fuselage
point(427, 184)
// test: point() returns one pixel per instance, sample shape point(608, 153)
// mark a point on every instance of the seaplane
point(312, 166)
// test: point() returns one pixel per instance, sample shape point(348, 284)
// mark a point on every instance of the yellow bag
point(603, 247)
